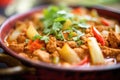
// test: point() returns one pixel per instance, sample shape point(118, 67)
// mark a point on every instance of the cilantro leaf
point(27, 40)
point(36, 37)
point(79, 42)
point(45, 38)
point(57, 26)
point(46, 30)
point(47, 23)
point(83, 25)
point(50, 12)
point(79, 34)
point(59, 19)
point(60, 36)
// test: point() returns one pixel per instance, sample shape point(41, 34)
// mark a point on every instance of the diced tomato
point(84, 61)
point(37, 44)
point(105, 22)
point(79, 11)
point(98, 36)
point(76, 11)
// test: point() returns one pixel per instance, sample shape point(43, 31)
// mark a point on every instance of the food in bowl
point(67, 37)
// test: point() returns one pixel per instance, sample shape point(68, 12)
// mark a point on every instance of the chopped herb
point(37, 37)
point(47, 23)
point(60, 19)
point(27, 40)
point(83, 25)
point(62, 12)
point(50, 12)
point(44, 38)
point(46, 30)
point(54, 18)
point(42, 48)
point(75, 38)
point(57, 26)
point(60, 36)
point(79, 42)
point(70, 35)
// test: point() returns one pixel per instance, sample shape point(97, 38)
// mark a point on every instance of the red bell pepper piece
point(84, 61)
point(98, 36)
point(105, 22)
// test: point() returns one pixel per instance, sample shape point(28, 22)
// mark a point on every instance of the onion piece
point(95, 51)
point(117, 29)
point(14, 35)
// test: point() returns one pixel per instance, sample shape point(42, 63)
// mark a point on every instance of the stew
point(67, 37)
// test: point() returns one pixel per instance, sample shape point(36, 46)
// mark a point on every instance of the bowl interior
point(9, 24)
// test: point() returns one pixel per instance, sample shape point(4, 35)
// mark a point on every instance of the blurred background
point(11, 7)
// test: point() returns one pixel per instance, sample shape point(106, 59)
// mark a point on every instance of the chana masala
point(67, 36)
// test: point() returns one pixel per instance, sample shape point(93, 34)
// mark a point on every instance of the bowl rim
point(51, 66)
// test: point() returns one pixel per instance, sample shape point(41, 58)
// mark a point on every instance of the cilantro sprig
point(53, 21)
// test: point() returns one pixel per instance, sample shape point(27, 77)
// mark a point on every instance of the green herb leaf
point(45, 38)
point(83, 25)
point(60, 36)
point(27, 40)
point(79, 42)
point(47, 23)
point(50, 12)
point(79, 34)
point(57, 26)
point(60, 19)
point(46, 31)
point(36, 37)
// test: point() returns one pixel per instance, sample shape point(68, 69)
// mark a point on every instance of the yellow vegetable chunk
point(31, 32)
point(95, 51)
point(69, 54)
point(67, 24)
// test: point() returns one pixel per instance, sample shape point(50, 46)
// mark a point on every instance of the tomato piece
point(37, 44)
point(98, 36)
point(105, 22)
point(76, 11)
